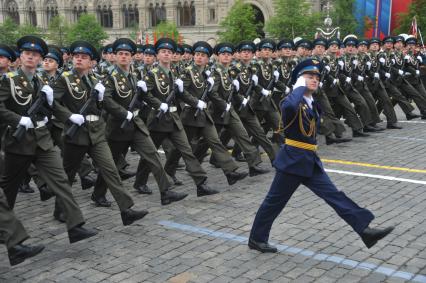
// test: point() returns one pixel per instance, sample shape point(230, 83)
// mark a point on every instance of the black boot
point(359, 133)
point(411, 116)
point(234, 177)
point(143, 189)
point(124, 174)
point(330, 140)
point(261, 247)
point(101, 201)
point(204, 190)
point(176, 181)
point(168, 197)
point(26, 189)
point(393, 126)
point(370, 236)
point(59, 215)
point(129, 215)
point(45, 193)
point(79, 233)
point(19, 253)
point(256, 170)
point(87, 182)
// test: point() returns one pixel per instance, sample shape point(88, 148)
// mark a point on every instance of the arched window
point(79, 7)
point(104, 14)
point(186, 13)
point(130, 15)
point(211, 5)
point(51, 10)
point(12, 11)
point(157, 13)
point(32, 16)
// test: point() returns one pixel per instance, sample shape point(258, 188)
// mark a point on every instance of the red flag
point(155, 37)
point(413, 27)
point(147, 39)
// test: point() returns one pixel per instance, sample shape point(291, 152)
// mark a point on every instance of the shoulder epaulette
point(12, 74)
point(65, 74)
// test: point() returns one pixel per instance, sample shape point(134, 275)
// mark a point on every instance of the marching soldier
point(27, 139)
point(74, 90)
point(121, 90)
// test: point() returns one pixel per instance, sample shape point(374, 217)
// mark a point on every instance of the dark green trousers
point(330, 124)
point(49, 167)
point(12, 232)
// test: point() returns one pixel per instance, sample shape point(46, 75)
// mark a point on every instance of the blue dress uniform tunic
point(298, 163)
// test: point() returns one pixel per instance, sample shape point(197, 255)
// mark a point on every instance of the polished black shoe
point(370, 236)
point(359, 134)
point(371, 129)
point(87, 182)
point(26, 189)
point(411, 116)
point(129, 215)
point(234, 177)
point(19, 253)
point(261, 247)
point(239, 157)
point(143, 189)
point(214, 163)
point(101, 201)
point(423, 117)
point(256, 170)
point(45, 194)
point(79, 233)
point(330, 140)
point(393, 126)
point(176, 181)
point(204, 190)
point(169, 196)
point(59, 215)
point(124, 174)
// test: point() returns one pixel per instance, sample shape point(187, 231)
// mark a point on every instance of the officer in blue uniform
point(297, 163)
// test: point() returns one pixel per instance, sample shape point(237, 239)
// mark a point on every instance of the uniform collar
point(309, 101)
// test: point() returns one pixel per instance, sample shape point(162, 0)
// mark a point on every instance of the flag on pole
point(413, 27)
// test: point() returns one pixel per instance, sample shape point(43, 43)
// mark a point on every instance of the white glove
point(327, 68)
point(360, 78)
point(265, 92)
point(348, 80)
point(236, 84)
point(376, 76)
point(320, 85)
point(211, 83)
point(255, 79)
point(335, 81)
point(301, 81)
point(368, 64)
point(382, 60)
point(101, 90)
point(179, 84)
point(201, 105)
point(287, 90)
point(400, 72)
point(49, 94)
point(245, 100)
point(129, 116)
point(393, 61)
point(417, 72)
point(142, 85)
point(355, 62)
point(420, 59)
point(45, 119)
point(407, 57)
point(341, 64)
point(207, 72)
point(164, 107)
point(26, 122)
point(387, 75)
point(77, 119)
point(276, 75)
point(228, 107)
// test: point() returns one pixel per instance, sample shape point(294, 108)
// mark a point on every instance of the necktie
point(35, 84)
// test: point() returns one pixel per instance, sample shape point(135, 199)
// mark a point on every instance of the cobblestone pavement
point(204, 239)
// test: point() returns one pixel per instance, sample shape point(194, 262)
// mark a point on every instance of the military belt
point(91, 118)
point(302, 145)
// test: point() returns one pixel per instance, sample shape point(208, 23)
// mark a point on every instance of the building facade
point(196, 20)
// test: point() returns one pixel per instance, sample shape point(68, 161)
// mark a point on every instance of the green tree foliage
point(87, 28)
point(293, 18)
point(239, 24)
point(417, 8)
point(58, 31)
point(10, 32)
point(167, 29)
point(343, 17)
